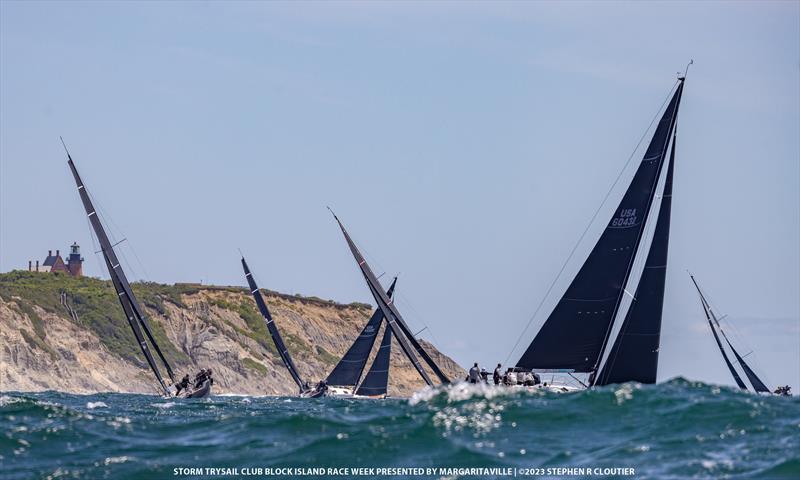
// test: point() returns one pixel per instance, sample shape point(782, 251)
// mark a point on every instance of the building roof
point(50, 261)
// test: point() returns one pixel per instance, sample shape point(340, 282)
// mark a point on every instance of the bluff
point(69, 334)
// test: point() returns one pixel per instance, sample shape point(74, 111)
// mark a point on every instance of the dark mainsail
point(273, 329)
point(393, 317)
point(376, 382)
point(349, 369)
point(575, 334)
point(634, 356)
point(707, 311)
point(127, 299)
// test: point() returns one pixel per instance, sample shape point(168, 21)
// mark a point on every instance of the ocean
point(677, 429)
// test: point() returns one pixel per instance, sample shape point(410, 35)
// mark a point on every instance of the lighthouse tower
point(75, 261)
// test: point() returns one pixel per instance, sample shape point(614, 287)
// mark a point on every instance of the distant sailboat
point(344, 378)
point(716, 329)
point(130, 305)
point(283, 352)
point(410, 346)
point(575, 336)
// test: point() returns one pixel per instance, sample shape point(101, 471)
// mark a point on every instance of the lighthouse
point(75, 262)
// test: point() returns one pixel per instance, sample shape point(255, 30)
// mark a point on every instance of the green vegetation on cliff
point(96, 305)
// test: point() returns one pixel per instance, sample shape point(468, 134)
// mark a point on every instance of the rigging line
point(399, 295)
point(647, 216)
point(110, 220)
point(759, 371)
point(591, 222)
point(649, 237)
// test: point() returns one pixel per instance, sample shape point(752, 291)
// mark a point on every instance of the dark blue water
point(678, 429)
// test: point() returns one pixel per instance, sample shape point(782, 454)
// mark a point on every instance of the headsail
point(391, 314)
point(127, 299)
point(758, 385)
point(273, 329)
point(349, 369)
point(709, 313)
point(575, 334)
point(634, 356)
point(377, 380)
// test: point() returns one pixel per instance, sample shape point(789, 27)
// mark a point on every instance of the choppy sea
point(677, 429)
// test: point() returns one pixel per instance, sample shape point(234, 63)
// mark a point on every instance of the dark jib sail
point(707, 311)
point(758, 385)
point(634, 356)
point(130, 305)
point(348, 371)
point(391, 314)
point(273, 329)
point(376, 383)
point(575, 334)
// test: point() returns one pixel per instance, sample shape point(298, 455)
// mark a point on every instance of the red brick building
point(54, 263)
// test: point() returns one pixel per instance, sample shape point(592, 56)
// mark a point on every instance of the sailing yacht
point(575, 338)
point(394, 321)
point(716, 330)
point(138, 322)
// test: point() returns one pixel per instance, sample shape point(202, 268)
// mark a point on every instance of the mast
point(634, 356)
point(709, 314)
point(393, 317)
point(574, 337)
point(758, 385)
point(273, 329)
point(377, 380)
point(350, 368)
point(127, 299)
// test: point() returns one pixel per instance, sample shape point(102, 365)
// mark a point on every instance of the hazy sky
point(465, 146)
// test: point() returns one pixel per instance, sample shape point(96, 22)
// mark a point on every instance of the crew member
point(474, 374)
point(484, 376)
point(497, 375)
point(183, 384)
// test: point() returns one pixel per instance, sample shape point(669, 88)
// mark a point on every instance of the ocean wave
point(676, 429)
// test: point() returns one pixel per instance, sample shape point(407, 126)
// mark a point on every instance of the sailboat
point(399, 329)
point(575, 337)
point(343, 381)
point(304, 390)
point(716, 330)
point(133, 311)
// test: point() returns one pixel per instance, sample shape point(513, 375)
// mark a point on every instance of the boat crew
point(182, 385)
point(484, 376)
point(474, 374)
point(496, 375)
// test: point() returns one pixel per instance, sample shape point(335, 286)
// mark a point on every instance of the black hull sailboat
point(133, 311)
point(716, 330)
point(575, 337)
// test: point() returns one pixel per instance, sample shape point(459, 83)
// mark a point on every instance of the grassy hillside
point(194, 325)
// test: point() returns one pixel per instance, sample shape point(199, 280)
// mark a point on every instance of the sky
point(465, 146)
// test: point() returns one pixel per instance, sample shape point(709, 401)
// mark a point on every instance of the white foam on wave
point(458, 392)
point(8, 400)
point(163, 405)
point(93, 405)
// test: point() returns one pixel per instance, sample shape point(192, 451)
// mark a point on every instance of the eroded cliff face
point(44, 347)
